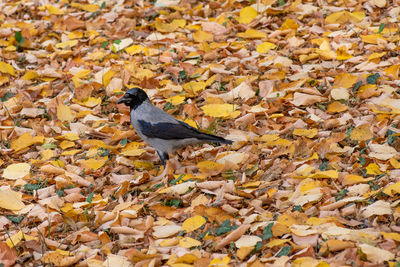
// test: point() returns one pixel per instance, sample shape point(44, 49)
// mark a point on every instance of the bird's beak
point(123, 100)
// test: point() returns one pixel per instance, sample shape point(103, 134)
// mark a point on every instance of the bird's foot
point(168, 171)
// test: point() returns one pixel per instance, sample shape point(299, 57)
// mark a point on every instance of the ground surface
point(308, 90)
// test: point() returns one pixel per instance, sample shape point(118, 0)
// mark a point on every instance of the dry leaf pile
point(308, 90)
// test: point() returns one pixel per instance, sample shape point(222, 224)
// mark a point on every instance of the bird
point(159, 129)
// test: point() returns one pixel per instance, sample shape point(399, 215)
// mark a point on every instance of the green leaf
point(176, 202)
point(296, 208)
point(90, 197)
point(356, 86)
point(284, 251)
point(104, 44)
point(267, 233)
point(103, 5)
point(124, 142)
point(391, 136)
point(182, 74)
point(258, 246)
point(341, 194)
point(18, 37)
point(175, 181)
point(381, 27)
point(7, 96)
point(60, 193)
point(15, 219)
point(225, 227)
point(324, 165)
point(118, 41)
point(281, 2)
point(371, 79)
point(49, 146)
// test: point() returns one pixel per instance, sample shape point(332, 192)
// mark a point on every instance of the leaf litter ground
point(307, 90)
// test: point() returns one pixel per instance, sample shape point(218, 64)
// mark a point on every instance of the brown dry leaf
point(8, 255)
point(301, 99)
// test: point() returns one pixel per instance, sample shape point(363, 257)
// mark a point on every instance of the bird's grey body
point(161, 130)
point(149, 113)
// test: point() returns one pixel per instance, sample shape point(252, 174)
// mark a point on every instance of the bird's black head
point(133, 97)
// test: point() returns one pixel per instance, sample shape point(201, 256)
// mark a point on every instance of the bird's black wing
point(169, 131)
point(176, 131)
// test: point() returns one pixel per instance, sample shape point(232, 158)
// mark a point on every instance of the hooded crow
point(159, 129)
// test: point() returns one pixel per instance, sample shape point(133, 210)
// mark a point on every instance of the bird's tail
point(216, 139)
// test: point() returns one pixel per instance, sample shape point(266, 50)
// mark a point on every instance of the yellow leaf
point(193, 223)
point(68, 136)
point(169, 27)
point(371, 38)
point(325, 174)
point(373, 169)
point(93, 164)
point(53, 10)
point(64, 113)
point(344, 16)
point(68, 44)
point(97, 55)
point(252, 34)
point(210, 167)
point(47, 154)
point(351, 179)
point(6, 68)
point(202, 36)
point(289, 24)
point(15, 239)
point(75, 35)
point(393, 71)
point(336, 107)
point(132, 150)
point(243, 252)
point(341, 54)
point(70, 152)
point(66, 144)
point(265, 47)
point(344, 80)
point(191, 123)
point(82, 73)
point(26, 140)
point(277, 242)
point(392, 189)
point(89, 102)
point(11, 200)
point(393, 236)
point(194, 88)
point(16, 171)
point(30, 75)
point(188, 242)
point(308, 184)
point(169, 242)
point(88, 8)
point(376, 55)
point(218, 110)
point(361, 133)
point(143, 165)
point(395, 163)
point(134, 49)
point(247, 14)
point(216, 262)
point(107, 77)
point(4, 80)
point(309, 133)
point(176, 99)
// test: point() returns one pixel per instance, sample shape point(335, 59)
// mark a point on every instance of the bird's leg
point(168, 169)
